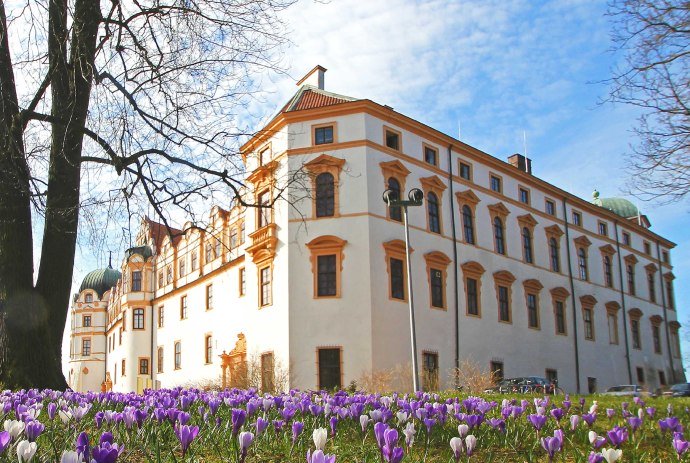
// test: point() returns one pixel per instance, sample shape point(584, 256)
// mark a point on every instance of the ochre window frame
point(504, 278)
point(529, 195)
point(501, 211)
point(386, 129)
point(474, 270)
point(655, 322)
point(208, 360)
point(588, 302)
point(333, 124)
point(324, 246)
point(433, 148)
point(582, 242)
point(148, 366)
point(436, 186)
point(160, 355)
point(635, 314)
point(561, 295)
point(396, 249)
point(500, 183)
point(669, 290)
point(467, 163)
point(143, 318)
point(608, 251)
point(342, 363)
point(631, 262)
point(398, 171)
point(265, 265)
point(529, 222)
point(674, 328)
point(469, 199)
point(554, 232)
point(612, 308)
point(548, 201)
point(650, 270)
point(533, 287)
point(325, 164)
point(175, 365)
point(436, 260)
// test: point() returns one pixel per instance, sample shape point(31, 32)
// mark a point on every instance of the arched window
point(325, 195)
point(432, 208)
point(527, 245)
point(582, 263)
point(395, 212)
point(467, 224)
point(498, 236)
point(178, 355)
point(555, 255)
point(608, 275)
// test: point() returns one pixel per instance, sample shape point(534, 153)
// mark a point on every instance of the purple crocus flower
point(617, 436)
point(33, 429)
point(589, 418)
point(106, 451)
point(82, 445)
point(670, 424)
point(238, 417)
point(551, 445)
point(595, 457)
point(334, 423)
point(429, 423)
point(680, 446)
point(319, 457)
point(497, 423)
point(557, 413)
point(278, 425)
point(52, 410)
point(537, 421)
point(5, 439)
point(261, 425)
point(245, 439)
point(297, 428)
point(651, 411)
point(379, 430)
point(610, 413)
point(574, 421)
point(634, 422)
point(186, 434)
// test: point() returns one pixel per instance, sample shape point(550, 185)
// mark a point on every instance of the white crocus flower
point(612, 455)
point(65, 416)
point(640, 413)
point(14, 427)
point(402, 417)
point(463, 429)
point(69, 456)
point(456, 445)
point(592, 437)
point(26, 451)
point(409, 432)
point(320, 436)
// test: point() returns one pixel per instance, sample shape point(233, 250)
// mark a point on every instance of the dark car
point(524, 384)
point(679, 390)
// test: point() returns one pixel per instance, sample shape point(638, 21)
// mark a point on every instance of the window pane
point(436, 278)
point(430, 371)
point(325, 195)
point(323, 135)
point(503, 304)
point(472, 299)
point(468, 225)
point(433, 210)
point(326, 278)
point(329, 369)
point(395, 212)
point(397, 279)
point(392, 140)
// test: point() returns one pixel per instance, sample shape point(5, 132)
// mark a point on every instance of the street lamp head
point(416, 196)
point(390, 196)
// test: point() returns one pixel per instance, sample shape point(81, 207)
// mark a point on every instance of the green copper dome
point(619, 206)
point(100, 280)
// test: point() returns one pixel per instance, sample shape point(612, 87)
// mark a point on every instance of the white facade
point(359, 319)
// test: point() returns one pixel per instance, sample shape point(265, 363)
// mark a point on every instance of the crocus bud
point(470, 444)
point(320, 436)
point(457, 447)
point(26, 451)
point(612, 455)
point(463, 429)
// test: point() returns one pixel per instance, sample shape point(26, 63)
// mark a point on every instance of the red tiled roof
point(159, 231)
point(311, 99)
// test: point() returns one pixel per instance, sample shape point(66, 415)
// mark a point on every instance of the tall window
point(86, 321)
point(527, 245)
point(608, 274)
point(138, 319)
point(503, 304)
point(630, 270)
point(430, 371)
point(397, 278)
point(582, 263)
point(498, 236)
point(433, 211)
point(635, 331)
point(550, 207)
point(160, 279)
point(194, 259)
point(218, 248)
point(327, 275)
point(264, 209)
point(465, 171)
point(325, 195)
point(161, 317)
point(656, 336)
point(430, 155)
point(323, 135)
point(603, 229)
point(265, 283)
point(182, 267)
point(472, 296)
point(394, 186)
point(143, 366)
point(577, 219)
point(233, 238)
point(669, 295)
point(560, 317)
point(86, 347)
point(436, 279)
point(183, 307)
point(123, 367)
point(136, 280)
point(209, 253)
point(160, 359)
point(208, 344)
point(119, 335)
point(168, 271)
point(242, 232)
point(613, 328)
point(524, 195)
point(532, 311)
point(589, 323)
point(178, 355)
point(554, 255)
point(626, 239)
point(495, 183)
point(209, 297)
point(468, 224)
point(329, 369)
point(652, 286)
point(242, 276)
point(267, 373)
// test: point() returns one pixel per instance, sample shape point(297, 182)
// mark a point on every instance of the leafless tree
point(104, 101)
point(654, 39)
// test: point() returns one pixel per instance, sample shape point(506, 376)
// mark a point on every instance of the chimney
point(521, 162)
point(314, 77)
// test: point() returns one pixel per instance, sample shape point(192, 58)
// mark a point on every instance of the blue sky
point(487, 70)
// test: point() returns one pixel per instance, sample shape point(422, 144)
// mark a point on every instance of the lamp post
point(415, 198)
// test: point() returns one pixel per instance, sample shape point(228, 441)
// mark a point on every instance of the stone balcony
point(263, 242)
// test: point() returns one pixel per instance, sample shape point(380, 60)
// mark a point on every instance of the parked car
point(524, 384)
point(627, 390)
point(679, 390)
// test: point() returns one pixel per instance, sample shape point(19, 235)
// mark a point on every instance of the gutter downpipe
point(622, 293)
point(663, 304)
point(455, 267)
point(572, 295)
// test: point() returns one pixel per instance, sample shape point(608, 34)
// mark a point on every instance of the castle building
point(310, 290)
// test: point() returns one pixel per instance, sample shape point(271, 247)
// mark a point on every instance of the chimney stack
point(315, 77)
point(521, 162)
